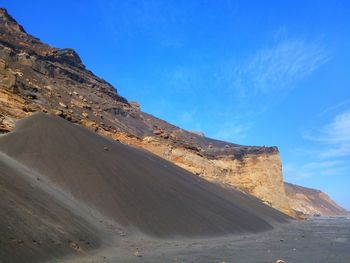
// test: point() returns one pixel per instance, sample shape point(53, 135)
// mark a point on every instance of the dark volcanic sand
point(311, 241)
point(133, 187)
point(36, 225)
point(65, 190)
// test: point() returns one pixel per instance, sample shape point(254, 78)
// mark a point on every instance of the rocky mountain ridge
point(311, 202)
point(36, 77)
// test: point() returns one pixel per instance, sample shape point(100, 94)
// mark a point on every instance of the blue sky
point(272, 73)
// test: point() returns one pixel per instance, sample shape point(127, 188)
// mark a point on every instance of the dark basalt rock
point(66, 56)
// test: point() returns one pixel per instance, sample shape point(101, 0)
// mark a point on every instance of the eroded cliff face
point(312, 202)
point(36, 77)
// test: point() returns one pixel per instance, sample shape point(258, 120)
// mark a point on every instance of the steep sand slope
point(136, 188)
point(35, 226)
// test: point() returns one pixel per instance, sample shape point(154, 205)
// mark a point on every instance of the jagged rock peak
point(13, 34)
point(67, 55)
point(7, 20)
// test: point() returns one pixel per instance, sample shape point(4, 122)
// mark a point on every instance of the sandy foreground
point(311, 241)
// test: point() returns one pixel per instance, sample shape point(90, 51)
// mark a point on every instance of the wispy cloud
point(154, 19)
point(232, 131)
point(338, 131)
point(323, 164)
point(183, 79)
point(335, 107)
point(342, 150)
point(263, 79)
point(313, 169)
point(276, 69)
point(334, 137)
point(187, 118)
point(330, 152)
point(292, 172)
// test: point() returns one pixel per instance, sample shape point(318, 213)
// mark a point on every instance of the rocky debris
point(135, 104)
point(116, 111)
point(32, 108)
point(6, 124)
point(87, 106)
point(137, 253)
point(2, 64)
point(63, 105)
point(198, 133)
point(160, 133)
point(85, 114)
point(58, 113)
point(165, 135)
point(157, 132)
point(149, 139)
point(73, 245)
point(66, 56)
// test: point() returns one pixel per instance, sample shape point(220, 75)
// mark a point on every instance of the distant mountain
point(312, 202)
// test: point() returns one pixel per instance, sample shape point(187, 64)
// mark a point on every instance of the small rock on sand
point(137, 253)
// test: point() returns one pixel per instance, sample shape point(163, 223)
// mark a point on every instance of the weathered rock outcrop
point(311, 202)
point(36, 77)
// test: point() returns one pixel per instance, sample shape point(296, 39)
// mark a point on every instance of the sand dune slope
point(137, 189)
point(35, 226)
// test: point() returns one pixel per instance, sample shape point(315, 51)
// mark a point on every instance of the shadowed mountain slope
point(34, 225)
point(132, 186)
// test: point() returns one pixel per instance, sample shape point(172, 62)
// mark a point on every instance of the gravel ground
point(311, 241)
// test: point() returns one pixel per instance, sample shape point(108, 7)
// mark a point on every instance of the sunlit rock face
point(37, 77)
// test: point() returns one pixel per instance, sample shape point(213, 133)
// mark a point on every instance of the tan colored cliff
point(312, 202)
point(36, 77)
